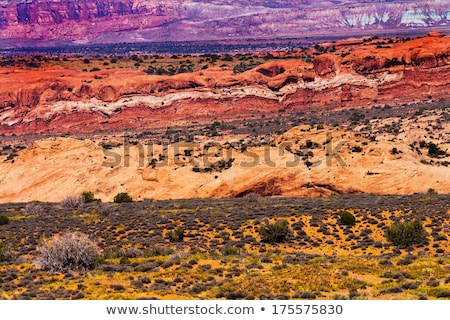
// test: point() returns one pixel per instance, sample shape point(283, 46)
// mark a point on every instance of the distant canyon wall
point(106, 21)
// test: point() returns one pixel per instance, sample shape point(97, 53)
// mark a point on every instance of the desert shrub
point(275, 232)
point(406, 233)
point(357, 149)
point(71, 202)
point(3, 220)
point(176, 235)
point(124, 260)
point(122, 197)
point(434, 151)
point(33, 208)
point(443, 294)
point(88, 197)
point(158, 250)
point(305, 295)
point(115, 253)
point(231, 250)
point(347, 218)
point(70, 251)
point(5, 252)
point(108, 210)
point(132, 252)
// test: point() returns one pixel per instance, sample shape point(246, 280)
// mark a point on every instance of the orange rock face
point(63, 100)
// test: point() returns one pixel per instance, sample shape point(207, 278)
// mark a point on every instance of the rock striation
point(89, 21)
point(63, 100)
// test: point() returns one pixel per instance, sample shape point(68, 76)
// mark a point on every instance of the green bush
point(406, 233)
point(122, 197)
point(347, 218)
point(4, 220)
point(276, 232)
point(88, 197)
point(124, 260)
point(176, 235)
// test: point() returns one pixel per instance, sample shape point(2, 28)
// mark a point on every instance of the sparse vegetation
point(251, 246)
point(224, 242)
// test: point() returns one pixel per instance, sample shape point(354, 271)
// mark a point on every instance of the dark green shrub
point(124, 260)
point(347, 218)
point(406, 233)
point(176, 235)
point(88, 197)
point(357, 149)
point(122, 197)
point(3, 220)
point(434, 151)
point(275, 232)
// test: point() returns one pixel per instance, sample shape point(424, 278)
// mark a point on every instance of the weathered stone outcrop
point(61, 100)
point(51, 169)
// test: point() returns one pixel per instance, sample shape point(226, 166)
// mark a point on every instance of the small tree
point(88, 197)
point(70, 251)
point(347, 218)
point(275, 232)
point(406, 233)
point(122, 197)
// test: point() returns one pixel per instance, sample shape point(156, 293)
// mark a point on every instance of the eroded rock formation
point(64, 100)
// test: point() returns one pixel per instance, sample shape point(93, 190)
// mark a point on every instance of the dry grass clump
point(70, 251)
point(72, 202)
point(33, 208)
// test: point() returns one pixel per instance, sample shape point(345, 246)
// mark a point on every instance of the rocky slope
point(103, 21)
point(305, 161)
point(356, 73)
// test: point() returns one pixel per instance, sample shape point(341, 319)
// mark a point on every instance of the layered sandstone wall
point(61, 100)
